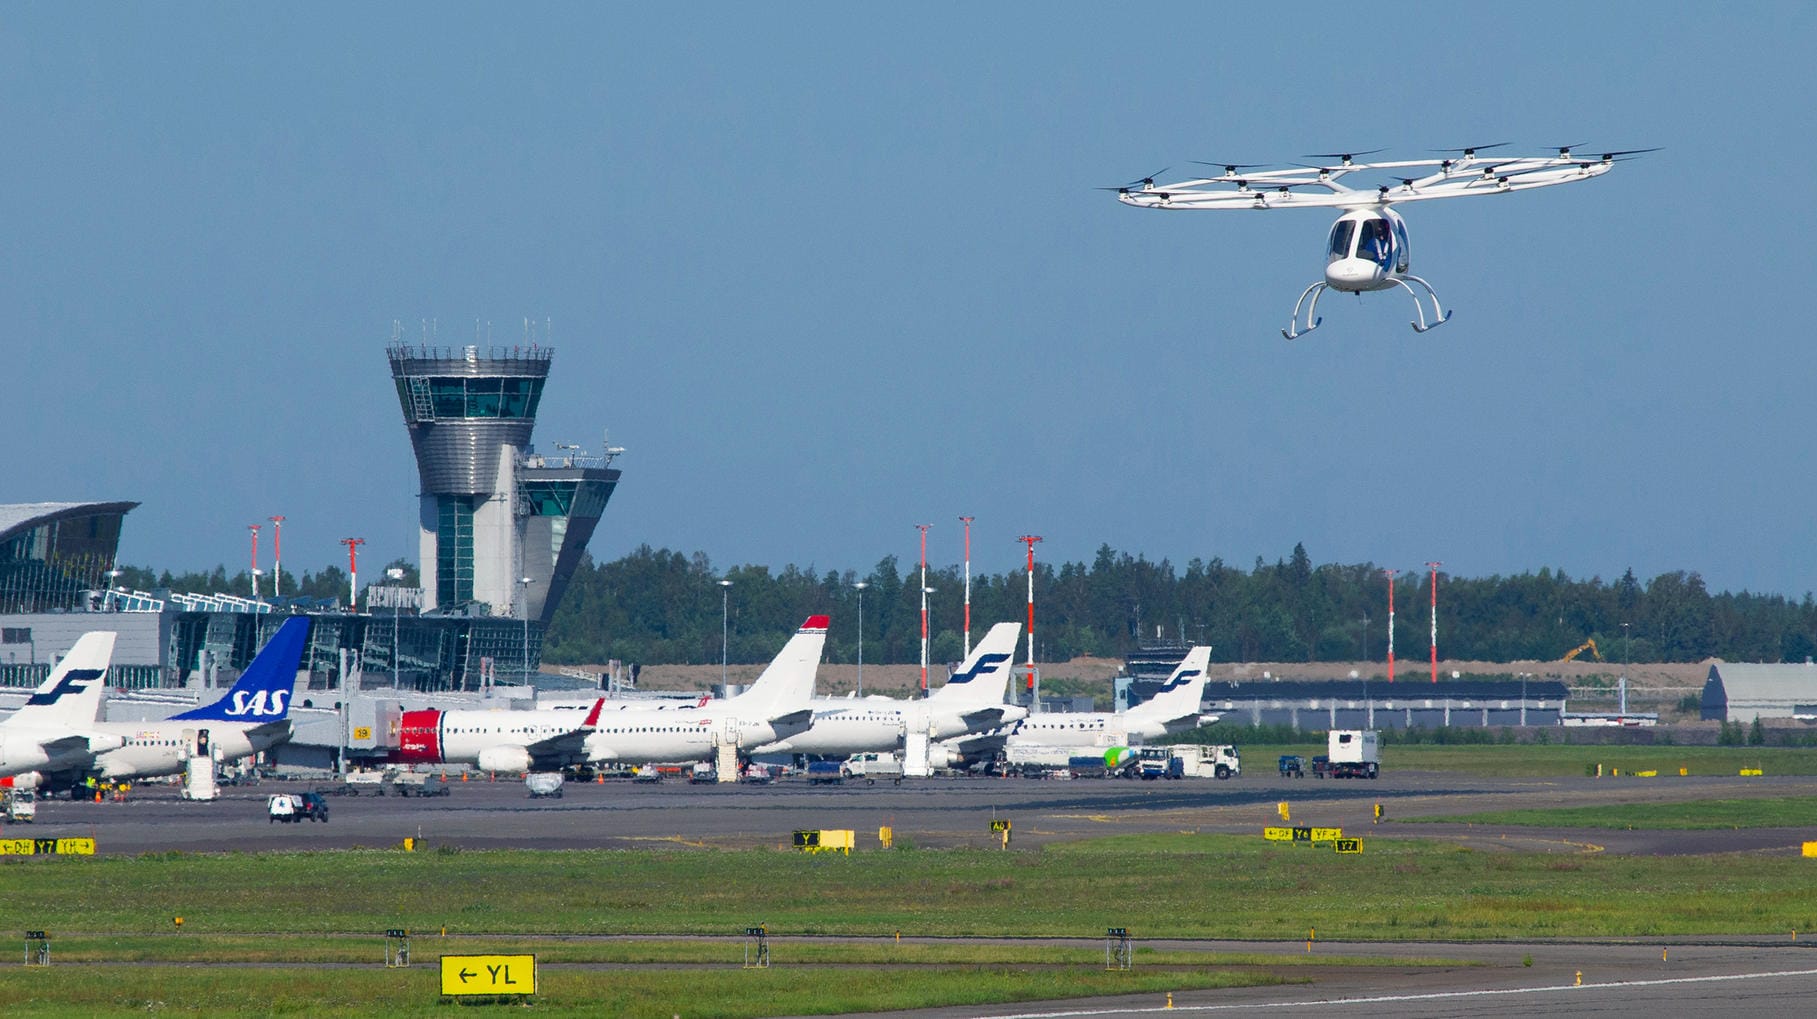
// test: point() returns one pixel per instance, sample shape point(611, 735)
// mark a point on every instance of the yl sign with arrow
point(488, 974)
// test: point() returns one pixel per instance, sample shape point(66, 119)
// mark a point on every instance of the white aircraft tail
point(71, 697)
point(787, 685)
point(1182, 694)
point(983, 677)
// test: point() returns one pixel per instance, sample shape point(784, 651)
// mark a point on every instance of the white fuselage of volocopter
point(1367, 251)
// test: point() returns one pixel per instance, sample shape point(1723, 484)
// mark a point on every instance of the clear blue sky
point(832, 270)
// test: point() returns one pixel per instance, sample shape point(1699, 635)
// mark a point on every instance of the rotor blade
point(1230, 168)
point(1344, 156)
point(1627, 152)
point(1471, 150)
point(1564, 151)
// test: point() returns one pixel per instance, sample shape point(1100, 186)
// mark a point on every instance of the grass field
point(1785, 812)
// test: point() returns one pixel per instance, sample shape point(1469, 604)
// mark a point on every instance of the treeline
point(657, 606)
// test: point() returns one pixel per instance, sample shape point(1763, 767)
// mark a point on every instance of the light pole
point(113, 586)
point(277, 556)
point(725, 595)
point(1365, 636)
point(525, 582)
point(926, 618)
point(861, 585)
point(254, 528)
point(968, 584)
point(396, 575)
point(1626, 658)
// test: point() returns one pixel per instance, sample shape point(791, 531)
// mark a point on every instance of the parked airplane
point(493, 739)
point(1173, 708)
point(549, 738)
point(55, 728)
point(251, 717)
point(776, 707)
point(970, 701)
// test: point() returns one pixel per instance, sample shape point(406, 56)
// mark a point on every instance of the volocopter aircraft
point(1368, 248)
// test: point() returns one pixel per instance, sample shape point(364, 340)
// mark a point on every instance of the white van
point(281, 807)
point(873, 765)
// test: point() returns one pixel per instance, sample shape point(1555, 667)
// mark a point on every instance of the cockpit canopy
point(1372, 237)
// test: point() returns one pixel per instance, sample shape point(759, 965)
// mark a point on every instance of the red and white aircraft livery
point(777, 706)
point(496, 739)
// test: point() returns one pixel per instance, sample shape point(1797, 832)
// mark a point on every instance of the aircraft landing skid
point(1295, 329)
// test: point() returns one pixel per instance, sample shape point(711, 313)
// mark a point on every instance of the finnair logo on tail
point(73, 682)
point(986, 664)
point(258, 704)
point(1181, 680)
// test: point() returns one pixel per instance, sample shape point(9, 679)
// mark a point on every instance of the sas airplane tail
point(982, 678)
point(1181, 696)
point(264, 689)
point(70, 698)
point(787, 685)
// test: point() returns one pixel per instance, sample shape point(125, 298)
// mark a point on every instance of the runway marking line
point(1433, 996)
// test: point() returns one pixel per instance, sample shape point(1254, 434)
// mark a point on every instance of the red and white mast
point(353, 572)
point(1029, 540)
point(277, 556)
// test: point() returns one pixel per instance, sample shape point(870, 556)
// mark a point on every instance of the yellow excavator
point(1588, 645)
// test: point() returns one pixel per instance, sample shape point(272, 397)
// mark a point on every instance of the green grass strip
point(1696, 815)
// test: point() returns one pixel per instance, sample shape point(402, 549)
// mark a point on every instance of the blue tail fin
point(263, 692)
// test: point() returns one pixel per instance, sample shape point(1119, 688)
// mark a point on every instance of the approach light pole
point(277, 556)
point(1433, 566)
point(1030, 540)
point(967, 521)
point(725, 617)
point(860, 586)
point(1626, 659)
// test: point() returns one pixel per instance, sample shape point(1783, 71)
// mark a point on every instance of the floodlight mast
point(254, 528)
point(277, 556)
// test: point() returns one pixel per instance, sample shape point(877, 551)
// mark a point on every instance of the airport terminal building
point(502, 529)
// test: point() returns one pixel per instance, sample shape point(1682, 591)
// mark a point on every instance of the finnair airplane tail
point(71, 697)
point(1181, 695)
point(264, 690)
point(982, 678)
point(787, 685)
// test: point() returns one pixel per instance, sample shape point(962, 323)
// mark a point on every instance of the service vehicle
point(826, 773)
point(703, 773)
point(1292, 766)
point(20, 806)
point(371, 782)
point(544, 784)
point(420, 783)
point(873, 765)
point(282, 807)
point(312, 807)
point(1349, 753)
point(758, 774)
point(1207, 760)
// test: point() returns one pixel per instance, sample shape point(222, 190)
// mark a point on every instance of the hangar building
point(1742, 692)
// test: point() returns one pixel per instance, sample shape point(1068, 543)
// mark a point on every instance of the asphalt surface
point(1626, 978)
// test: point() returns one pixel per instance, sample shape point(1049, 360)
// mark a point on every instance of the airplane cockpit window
point(1341, 233)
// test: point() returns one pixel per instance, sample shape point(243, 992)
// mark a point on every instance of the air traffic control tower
point(493, 513)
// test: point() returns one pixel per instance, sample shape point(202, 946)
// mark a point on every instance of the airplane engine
point(944, 757)
point(24, 780)
point(508, 759)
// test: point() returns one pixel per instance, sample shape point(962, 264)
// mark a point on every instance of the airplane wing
point(79, 742)
point(570, 743)
point(984, 718)
point(792, 718)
